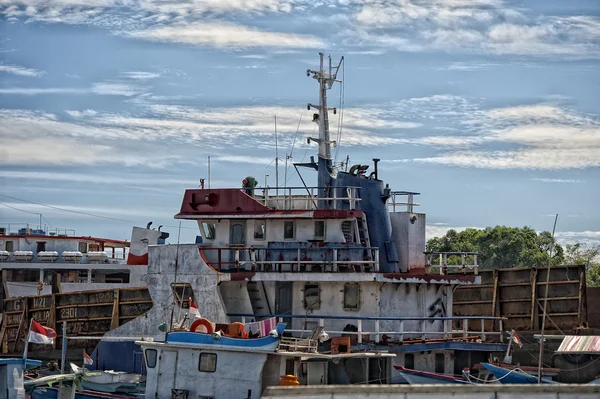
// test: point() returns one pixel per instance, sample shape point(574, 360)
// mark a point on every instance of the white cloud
point(102, 88)
point(82, 114)
point(34, 91)
point(587, 237)
point(141, 75)
point(115, 89)
point(225, 35)
point(477, 26)
point(20, 71)
point(549, 180)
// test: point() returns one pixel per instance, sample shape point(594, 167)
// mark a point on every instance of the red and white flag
point(193, 312)
point(87, 359)
point(516, 339)
point(38, 334)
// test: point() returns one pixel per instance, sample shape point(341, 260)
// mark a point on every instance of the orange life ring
point(205, 323)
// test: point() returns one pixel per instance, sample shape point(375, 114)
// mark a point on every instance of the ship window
point(94, 248)
point(347, 231)
point(209, 230)
point(319, 229)
point(151, 358)
point(351, 296)
point(312, 298)
point(289, 230)
point(41, 246)
point(8, 246)
point(259, 229)
point(83, 247)
point(110, 276)
point(439, 363)
point(409, 361)
point(183, 294)
point(207, 362)
point(23, 275)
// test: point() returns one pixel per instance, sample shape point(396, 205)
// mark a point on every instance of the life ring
point(205, 323)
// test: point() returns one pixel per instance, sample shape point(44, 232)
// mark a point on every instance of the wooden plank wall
point(87, 313)
point(518, 294)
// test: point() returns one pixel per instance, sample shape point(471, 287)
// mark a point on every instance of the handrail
point(383, 318)
point(443, 261)
point(233, 258)
point(447, 332)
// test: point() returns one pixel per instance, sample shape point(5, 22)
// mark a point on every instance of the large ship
point(347, 255)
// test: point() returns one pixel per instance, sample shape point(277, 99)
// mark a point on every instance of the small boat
point(417, 377)
point(215, 340)
point(514, 376)
point(110, 381)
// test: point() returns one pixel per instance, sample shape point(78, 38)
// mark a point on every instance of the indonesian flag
point(516, 339)
point(193, 312)
point(38, 334)
point(87, 359)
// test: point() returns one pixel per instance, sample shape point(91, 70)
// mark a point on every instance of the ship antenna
point(325, 166)
point(545, 314)
point(175, 278)
point(276, 161)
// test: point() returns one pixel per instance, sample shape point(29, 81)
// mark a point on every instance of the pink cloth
point(263, 327)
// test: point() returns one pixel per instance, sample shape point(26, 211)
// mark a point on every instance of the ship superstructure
point(347, 255)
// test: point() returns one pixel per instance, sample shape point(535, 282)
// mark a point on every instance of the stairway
point(258, 298)
point(363, 235)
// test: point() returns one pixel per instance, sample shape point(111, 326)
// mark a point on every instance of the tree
point(588, 255)
point(501, 246)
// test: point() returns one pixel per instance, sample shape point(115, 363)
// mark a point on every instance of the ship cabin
point(40, 260)
point(352, 261)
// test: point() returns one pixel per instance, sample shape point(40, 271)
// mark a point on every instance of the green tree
point(588, 255)
point(501, 246)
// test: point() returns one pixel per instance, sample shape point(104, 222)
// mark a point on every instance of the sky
point(109, 109)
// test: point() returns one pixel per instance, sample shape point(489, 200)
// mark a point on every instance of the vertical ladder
point(363, 235)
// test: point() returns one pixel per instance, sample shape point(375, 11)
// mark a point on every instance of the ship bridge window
point(289, 230)
point(151, 357)
point(83, 247)
point(260, 229)
point(351, 296)
point(23, 275)
point(348, 231)
point(110, 276)
point(183, 293)
point(312, 296)
point(207, 362)
point(209, 230)
point(40, 246)
point(319, 230)
point(9, 246)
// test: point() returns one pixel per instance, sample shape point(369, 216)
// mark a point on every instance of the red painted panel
point(224, 201)
point(137, 259)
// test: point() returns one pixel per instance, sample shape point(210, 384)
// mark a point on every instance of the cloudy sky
point(488, 108)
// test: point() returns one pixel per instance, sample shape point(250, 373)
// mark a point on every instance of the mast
point(325, 165)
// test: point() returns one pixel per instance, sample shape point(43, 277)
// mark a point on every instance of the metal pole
point(541, 355)
point(276, 161)
point(26, 345)
point(63, 354)
point(209, 171)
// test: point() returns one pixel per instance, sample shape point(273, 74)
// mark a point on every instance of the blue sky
point(488, 108)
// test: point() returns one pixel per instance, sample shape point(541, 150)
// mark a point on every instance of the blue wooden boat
point(417, 377)
point(514, 376)
point(215, 340)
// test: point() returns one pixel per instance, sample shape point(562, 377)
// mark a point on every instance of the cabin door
point(283, 300)
point(167, 370)
point(316, 373)
point(237, 232)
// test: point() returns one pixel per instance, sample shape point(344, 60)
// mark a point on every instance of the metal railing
point(464, 333)
point(306, 198)
point(15, 229)
point(442, 259)
point(409, 204)
point(235, 259)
